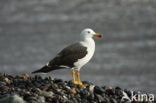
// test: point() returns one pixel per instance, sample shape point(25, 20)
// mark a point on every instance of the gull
point(74, 56)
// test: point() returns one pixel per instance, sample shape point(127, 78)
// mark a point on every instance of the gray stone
point(41, 99)
point(47, 94)
point(12, 99)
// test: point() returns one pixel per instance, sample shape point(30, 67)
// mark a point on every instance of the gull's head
point(89, 33)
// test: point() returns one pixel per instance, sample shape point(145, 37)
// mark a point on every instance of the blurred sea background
point(32, 32)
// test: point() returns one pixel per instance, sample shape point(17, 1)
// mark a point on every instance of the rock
point(73, 91)
point(75, 101)
point(84, 101)
point(99, 98)
point(128, 93)
point(113, 100)
point(61, 83)
point(24, 76)
point(12, 99)
point(22, 88)
point(77, 90)
point(46, 94)
point(6, 80)
point(3, 74)
point(110, 87)
point(98, 90)
point(31, 98)
point(46, 87)
point(118, 92)
point(2, 83)
point(4, 88)
point(38, 90)
point(51, 78)
point(70, 83)
point(58, 91)
point(110, 91)
point(38, 77)
point(63, 100)
point(67, 88)
point(92, 96)
point(55, 86)
point(58, 80)
point(91, 88)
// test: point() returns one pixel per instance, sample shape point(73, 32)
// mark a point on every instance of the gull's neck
point(89, 42)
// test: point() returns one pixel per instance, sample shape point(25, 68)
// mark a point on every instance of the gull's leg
point(73, 72)
point(78, 77)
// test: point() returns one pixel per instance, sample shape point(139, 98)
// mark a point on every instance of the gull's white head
point(89, 33)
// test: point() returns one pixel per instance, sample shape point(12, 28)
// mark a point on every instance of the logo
point(138, 97)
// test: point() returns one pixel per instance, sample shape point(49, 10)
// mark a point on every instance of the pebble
point(41, 99)
point(2, 83)
point(110, 91)
point(6, 80)
point(73, 91)
point(58, 80)
point(98, 90)
point(26, 89)
point(113, 100)
point(99, 98)
point(24, 76)
point(91, 88)
point(4, 88)
point(46, 87)
point(12, 99)
point(47, 94)
point(55, 86)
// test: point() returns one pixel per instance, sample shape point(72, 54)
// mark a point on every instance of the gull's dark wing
point(66, 58)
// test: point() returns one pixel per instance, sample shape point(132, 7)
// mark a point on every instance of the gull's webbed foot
point(80, 83)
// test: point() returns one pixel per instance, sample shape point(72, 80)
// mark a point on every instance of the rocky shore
point(26, 89)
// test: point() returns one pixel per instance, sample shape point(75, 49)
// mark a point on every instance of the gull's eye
point(88, 31)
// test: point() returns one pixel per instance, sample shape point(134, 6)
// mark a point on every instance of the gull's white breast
point(90, 44)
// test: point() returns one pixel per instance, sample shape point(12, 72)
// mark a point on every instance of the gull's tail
point(46, 69)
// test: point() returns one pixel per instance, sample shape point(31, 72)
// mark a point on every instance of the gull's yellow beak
point(98, 35)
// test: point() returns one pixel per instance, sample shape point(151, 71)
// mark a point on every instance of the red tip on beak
point(98, 35)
